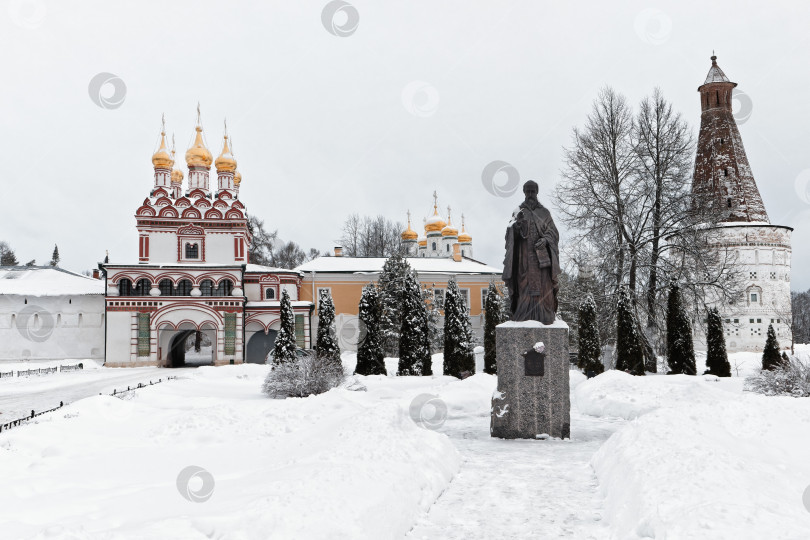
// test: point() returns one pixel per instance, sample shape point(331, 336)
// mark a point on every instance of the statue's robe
point(532, 265)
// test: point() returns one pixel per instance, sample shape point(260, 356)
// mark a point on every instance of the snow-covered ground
point(20, 395)
point(649, 457)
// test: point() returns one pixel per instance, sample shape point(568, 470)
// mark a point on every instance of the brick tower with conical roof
point(760, 252)
point(723, 180)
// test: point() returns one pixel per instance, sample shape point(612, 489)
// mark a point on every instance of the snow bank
point(331, 466)
point(729, 469)
point(617, 394)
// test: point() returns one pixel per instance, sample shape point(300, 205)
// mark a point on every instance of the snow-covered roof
point(258, 268)
point(46, 281)
point(423, 265)
point(715, 74)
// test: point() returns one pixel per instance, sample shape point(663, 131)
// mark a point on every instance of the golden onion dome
point(464, 237)
point(226, 162)
point(198, 155)
point(449, 230)
point(177, 176)
point(435, 223)
point(423, 242)
point(161, 159)
point(237, 178)
point(409, 234)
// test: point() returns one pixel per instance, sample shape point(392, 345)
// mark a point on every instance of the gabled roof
point(46, 281)
point(423, 265)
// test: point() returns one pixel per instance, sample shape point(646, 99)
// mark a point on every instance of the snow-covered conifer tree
point(771, 359)
point(370, 355)
point(284, 347)
point(411, 336)
point(55, 256)
point(392, 286)
point(680, 348)
point(458, 347)
point(326, 347)
point(493, 316)
point(629, 356)
point(590, 348)
point(716, 356)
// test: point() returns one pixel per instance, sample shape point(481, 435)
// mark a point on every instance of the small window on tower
point(192, 251)
point(754, 297)
point(270, 294)
point(725, 172)
point(729, 202)
point(722, 140)
point(434, 246)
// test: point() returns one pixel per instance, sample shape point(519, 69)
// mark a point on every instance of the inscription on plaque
point(535, 363)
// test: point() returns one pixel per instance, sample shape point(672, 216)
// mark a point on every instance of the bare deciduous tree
point(371, 236)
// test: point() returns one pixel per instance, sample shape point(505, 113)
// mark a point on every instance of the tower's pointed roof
point(715, 73)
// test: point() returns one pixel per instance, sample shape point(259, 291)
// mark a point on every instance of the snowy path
point(18, 396)
point(520, 489)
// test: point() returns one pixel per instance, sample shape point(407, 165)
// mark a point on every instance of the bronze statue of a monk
point(532, 264)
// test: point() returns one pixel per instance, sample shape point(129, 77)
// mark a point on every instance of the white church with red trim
point(192, 280)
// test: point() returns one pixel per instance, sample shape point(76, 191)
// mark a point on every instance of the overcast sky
point(418, 96)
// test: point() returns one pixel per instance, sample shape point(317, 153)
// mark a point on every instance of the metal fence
point(115, 392)
point(41, 371)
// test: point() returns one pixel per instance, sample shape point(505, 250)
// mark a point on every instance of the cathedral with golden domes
point(441, 238)
point(192, 281)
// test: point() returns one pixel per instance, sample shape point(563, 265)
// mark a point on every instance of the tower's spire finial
point(448, 214)
point(714, 58)
point(435, 200)
point(409, 218)
point(163, 122)
point(225, 121)
point(199, 122)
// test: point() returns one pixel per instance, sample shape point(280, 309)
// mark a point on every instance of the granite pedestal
point(532, 400)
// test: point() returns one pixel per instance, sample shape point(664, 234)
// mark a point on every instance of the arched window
point(125, 287)
point(225, 287)
point(142, 288)
point(270, 294)
point(184, 288)
point(207, 287)
point(192, 251)
point(434, 246)
point(166, 287)
point(447, 246)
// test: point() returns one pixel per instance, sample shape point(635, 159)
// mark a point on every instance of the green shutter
point(300, 340)
point(230, 334)
point(143, 334)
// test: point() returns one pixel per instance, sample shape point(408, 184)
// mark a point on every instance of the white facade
point(762, 256)
point(50, 314)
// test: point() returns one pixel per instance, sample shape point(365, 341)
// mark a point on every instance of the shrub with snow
point(307, 375)
point(789, 379)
